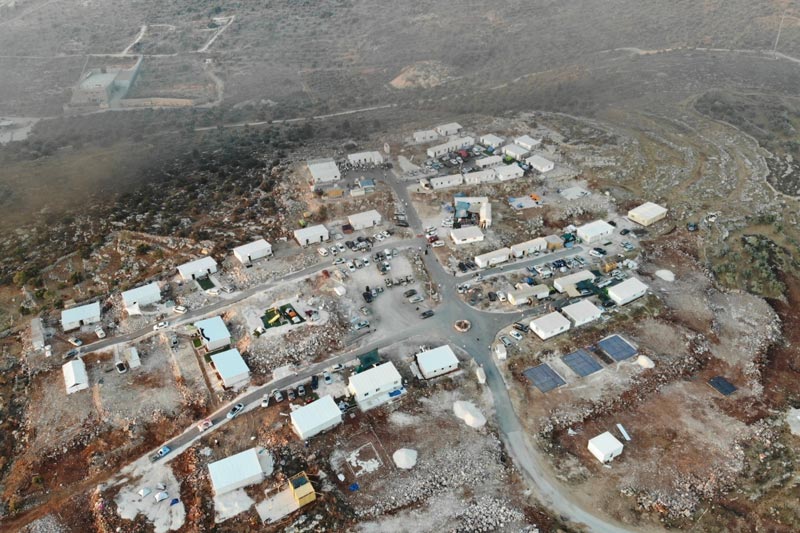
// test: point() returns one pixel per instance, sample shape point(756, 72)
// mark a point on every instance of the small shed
point(75, 376)
point(232, 369)
point(605, 447)
point(311, 235)
point(199, 268)
point(82, 315)
point(436, 362)
point(236, 471)
point(316, 417)
point(550, 325)
point(247, 253)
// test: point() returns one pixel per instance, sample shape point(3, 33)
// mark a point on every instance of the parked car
point(180, 309)
point(101, 334)
point(624, 231)
point(204, 425)
point(501, 296)
point(277, 396)
point(161, 325)
point(235, 410)
point(515, 334)
point(72, 353)
point(162, 452)
point(326, 377)
point(121, 367)
point(506, 341)
point(409, 293)
point(265, 401)
point(437, 244)
point(323, 252)
point(290, 394)
point(301, 390)
point(519, 326)
point(492, 296)
point(427, 314)
point(415, 299)
point(314, 382)
point(75, 341)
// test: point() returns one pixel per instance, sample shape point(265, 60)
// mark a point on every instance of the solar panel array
point(581, 362)
point(617, 348)
point(544, 378)
point(724, 386)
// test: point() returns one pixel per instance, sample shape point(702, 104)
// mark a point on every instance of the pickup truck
point(163, 451)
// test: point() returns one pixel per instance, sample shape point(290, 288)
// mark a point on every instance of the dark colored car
point(462, 267)
point(519, 326)
point(314, 382)
point(492, 296)
point(624, 231)
point(368, 297)
point(427, 314)
point(409, 293)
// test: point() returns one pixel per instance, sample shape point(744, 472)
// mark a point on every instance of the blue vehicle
point(163, 451)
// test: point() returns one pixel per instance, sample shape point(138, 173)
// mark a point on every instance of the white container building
point(509, 172)
point(550, 325)
point(442, 182)
point(491, 140)
point(75, 376)
point(247, 253)
point(81, 315)
point(323, 171)
point(526, 294)
point(595, 231)
point(565, 282)
point(540, 164)
point(485, 215)
point(527, 142)
point(235, 472)
point(445, 130)
point(365, 219)
point(605, 447)
point(199, 268)
point(424, 136)
point(480, 176)
point(375, 386)
point(493, 258)
point(648, 213)
point(232, 369)
point(365, 158)
point(466, 235)
point(311, 235)
point(316, 417)
point(515, 151)
point(627, 291)
point(450, 146)
point(213, 333)
point(488, 162)
point(136, 298)
point(529, 247)
point(582, 312)
point(437, 362)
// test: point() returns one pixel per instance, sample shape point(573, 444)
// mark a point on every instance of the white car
point(323, 252)
point(378, 237)
point(180, 309)
point(99, 332)
point(338, 261)
point(340, 247)
point(516, 334)
point(334, 250)
point(351, 267)
point(365, 260)
point(161, 325)
point(501, 296)
point(75, 341)
point(437, 244)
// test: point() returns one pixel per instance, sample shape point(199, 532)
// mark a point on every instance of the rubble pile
point(488, 514)
point(448, 469)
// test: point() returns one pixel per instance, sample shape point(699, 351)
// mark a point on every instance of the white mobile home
point(365, 158)
point(199, 268)
point(491, 140)
point(75, 376)
point(529, 247)
point(565, 282)
point(134, 299)
point(365, 219)
point(488, 162)
point(323, 171)
point(493, 258)
point(213, 333)
point(424, 136)
point(316, 417)
point(480, 176)
point(443, 182)
point(436, 362)
point(466, 235)
point(527, 294)
point(232, 369)
point(247, 253)
point(540, 164)
point(235, 472)
point(605, 447)
point(627, 291)
point(527, 142)
point(450, 146)
point(311, 235)
point(485, 215)
point(595, 231)
point(648, 213)
point(582, 312)
point(82, 315)
point(550, 325)
point(508, 172)
point(375, 386)
point(515, 151)
point(448, 129)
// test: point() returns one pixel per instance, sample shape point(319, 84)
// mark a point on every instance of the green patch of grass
point(197, 342)
point(205, 283)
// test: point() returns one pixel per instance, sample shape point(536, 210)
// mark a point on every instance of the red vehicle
point(326, 274)
point(433, 238)
point(463, 154)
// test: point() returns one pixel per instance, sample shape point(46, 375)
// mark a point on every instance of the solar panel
point(544, 378)
point(725, 387)
point(617, 348)
point(582, 363)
